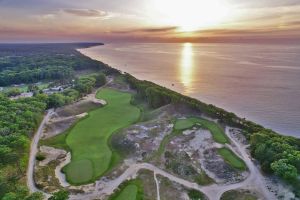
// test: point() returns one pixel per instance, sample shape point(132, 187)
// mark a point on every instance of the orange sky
point(149, 20)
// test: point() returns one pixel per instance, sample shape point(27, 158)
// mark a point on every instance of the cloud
point(88, 13)
point(150, 30)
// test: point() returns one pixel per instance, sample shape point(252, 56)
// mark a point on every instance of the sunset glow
point(186, 68)
point(149, 20)
point(191, 15)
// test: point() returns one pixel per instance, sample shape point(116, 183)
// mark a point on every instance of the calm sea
point(259, 82)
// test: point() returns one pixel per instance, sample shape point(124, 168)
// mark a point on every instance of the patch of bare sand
point(51, 154)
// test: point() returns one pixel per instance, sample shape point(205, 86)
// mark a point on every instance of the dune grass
point(232, 159)
point(88, 139)
point(204, 179)
point(215, 129)
point(238, 195)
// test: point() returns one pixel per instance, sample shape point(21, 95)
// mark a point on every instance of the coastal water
point(259, 82)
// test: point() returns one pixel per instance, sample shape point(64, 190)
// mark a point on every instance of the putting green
point(216, 131)
point(88, 139)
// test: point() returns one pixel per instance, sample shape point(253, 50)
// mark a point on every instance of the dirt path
point(255, 178)
point(33, 152)
point(157, 187)
point(213, 192)
point(102, 189)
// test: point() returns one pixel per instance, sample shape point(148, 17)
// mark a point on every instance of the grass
point(128, 193)
point(45, 177)
point(204, 179)
point(166, 140)
point(58, 141)
point(24, 87)
point(232, 159)
point(129, 190)
point(88, 139)
point(215, 129)
point(195, 195)
point(238, 195)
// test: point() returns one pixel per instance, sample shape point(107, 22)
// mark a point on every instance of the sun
point(191, 15)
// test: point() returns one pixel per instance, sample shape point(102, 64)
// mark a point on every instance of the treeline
point(82, 86)
point(276, 153)
point(26, 75)
point(157, 96)
point(33, 63)
point(18, 121)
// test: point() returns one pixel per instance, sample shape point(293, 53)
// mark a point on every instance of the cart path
point(33, 151)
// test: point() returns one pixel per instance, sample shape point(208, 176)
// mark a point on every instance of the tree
point(56, 100)
point(32, 88)
point(100, 79)
point(13, 92)
point(35, 196)
point(60, 195)
point(284, 170)
point(85, 84)
point(71, 95)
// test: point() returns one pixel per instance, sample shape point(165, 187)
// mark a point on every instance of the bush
point(40, 157)
point(195, 195)
point(13, 92)
point(60, 195)
point(100, 79)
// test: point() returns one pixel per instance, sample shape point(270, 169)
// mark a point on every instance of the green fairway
point(88, 139)
point(216, 131)
point(232, 159)
point(128, 193)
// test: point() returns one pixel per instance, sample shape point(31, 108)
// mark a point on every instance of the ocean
point(260, 82)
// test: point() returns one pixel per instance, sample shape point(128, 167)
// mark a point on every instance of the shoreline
point(228, 110)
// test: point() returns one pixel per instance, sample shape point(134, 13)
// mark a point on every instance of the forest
point(18, 121)
point(20, 118)
point(37, 62)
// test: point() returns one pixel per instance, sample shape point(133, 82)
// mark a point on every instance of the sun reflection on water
point(186, 68)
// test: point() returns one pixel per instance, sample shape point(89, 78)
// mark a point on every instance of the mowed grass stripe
point(215, 129)
point(88, 139)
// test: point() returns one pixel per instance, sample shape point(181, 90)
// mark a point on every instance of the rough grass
point(204, 179)
point(88, 139)
point(238, 195)
point(45, 178)
point(232, 159)
point(58, 141)
point(215, 129)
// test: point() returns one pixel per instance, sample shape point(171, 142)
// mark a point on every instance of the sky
point(149, 20)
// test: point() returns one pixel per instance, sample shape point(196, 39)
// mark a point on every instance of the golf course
point(232, 159)
point(88, 139)
point(216, 131)
point(128, 193)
